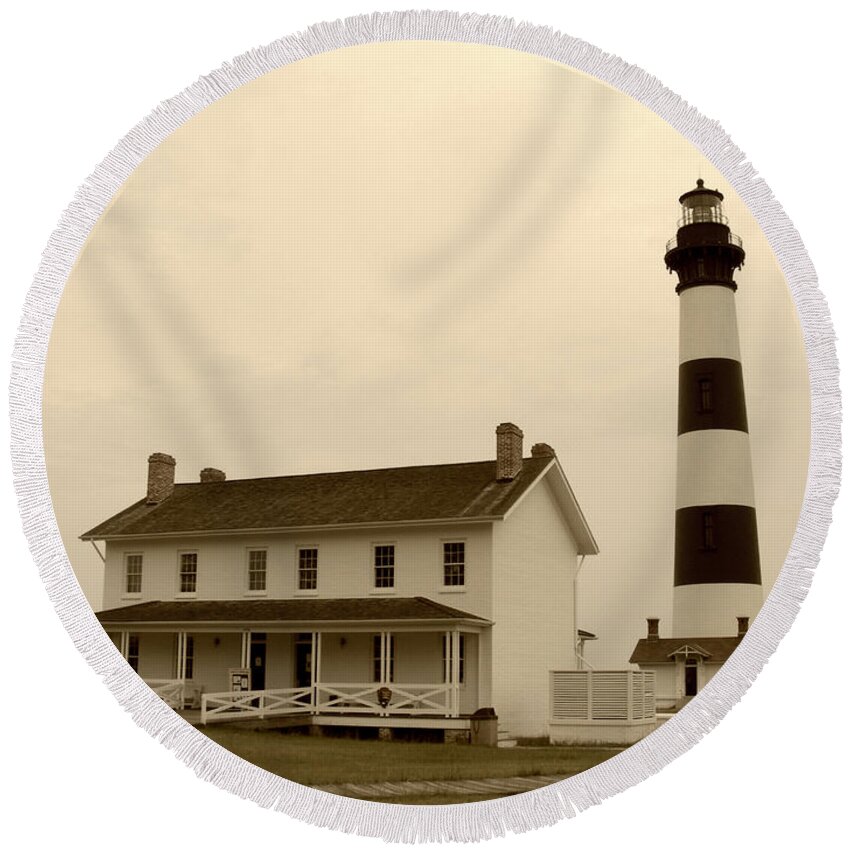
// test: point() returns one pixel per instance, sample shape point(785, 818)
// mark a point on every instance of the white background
point(77, 77)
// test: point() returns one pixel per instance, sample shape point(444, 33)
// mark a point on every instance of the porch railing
point(356, 698)
point(331, 698)
point(172, 691)
point(245, 704)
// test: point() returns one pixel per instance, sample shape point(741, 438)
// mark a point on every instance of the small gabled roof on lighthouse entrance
point(715, 650)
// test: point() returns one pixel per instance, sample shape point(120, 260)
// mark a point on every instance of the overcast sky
point(372, 257)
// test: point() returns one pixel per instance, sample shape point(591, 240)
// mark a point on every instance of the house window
point(256, 569)
point(133, 651)
point(461, 658)
point(376, 658)
point(385, 566)
point(706, 395)
point(454, 563)
point(709, 541)
point(133, 569)
point(188, 572)
point(308, 569)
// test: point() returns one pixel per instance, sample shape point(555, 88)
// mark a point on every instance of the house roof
point(379, 496)
point(286, 610)
point(663, 650)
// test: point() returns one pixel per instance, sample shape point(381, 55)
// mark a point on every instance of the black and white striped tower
point(717, 575)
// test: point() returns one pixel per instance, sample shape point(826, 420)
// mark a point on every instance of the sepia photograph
point(426, 422)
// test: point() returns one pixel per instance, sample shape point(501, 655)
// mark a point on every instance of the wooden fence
point(602, 695)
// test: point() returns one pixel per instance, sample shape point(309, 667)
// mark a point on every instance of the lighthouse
point(717, 574)
point(716, 571)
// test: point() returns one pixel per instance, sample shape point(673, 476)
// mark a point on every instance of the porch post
point(447, 671)
point(125, 644)
point(181, 656)
point(383, 659)
point(455, 673)
point(315, 645)
point(317, 664)
point(185, 656)
point(246, 649)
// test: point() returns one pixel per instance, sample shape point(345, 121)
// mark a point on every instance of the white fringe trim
point(472, 821)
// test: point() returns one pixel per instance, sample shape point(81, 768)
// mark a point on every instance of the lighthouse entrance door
point(691, 672)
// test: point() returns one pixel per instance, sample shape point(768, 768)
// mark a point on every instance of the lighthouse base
point(711, 610)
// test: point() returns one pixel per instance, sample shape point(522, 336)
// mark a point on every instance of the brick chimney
point(508, 451)
point(542, 450)
point(652, 628)
point(743, 625)
point(160, 477)
point(210, 474)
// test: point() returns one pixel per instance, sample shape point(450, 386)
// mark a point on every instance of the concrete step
point(505, 739)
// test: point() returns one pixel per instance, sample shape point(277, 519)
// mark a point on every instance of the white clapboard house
point(406, 597)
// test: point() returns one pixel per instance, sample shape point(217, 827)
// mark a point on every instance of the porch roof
point(664, 650)
point(394, 609)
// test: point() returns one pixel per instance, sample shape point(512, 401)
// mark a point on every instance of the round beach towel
point(421, 410)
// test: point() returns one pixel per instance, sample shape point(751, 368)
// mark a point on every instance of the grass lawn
point(327, 761)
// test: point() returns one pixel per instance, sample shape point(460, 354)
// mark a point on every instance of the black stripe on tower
point(711, 395)
point(716, 544)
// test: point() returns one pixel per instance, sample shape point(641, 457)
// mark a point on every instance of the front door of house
point(303, 660)
point(258, 661)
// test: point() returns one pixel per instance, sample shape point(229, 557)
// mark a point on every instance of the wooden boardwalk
point(505, 785)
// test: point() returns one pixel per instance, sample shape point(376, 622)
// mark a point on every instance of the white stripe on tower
point(717, 576)
point(708, 323)
point(714, 468)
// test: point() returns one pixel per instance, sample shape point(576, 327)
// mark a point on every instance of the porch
point(447, 688)
point(410, 670)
